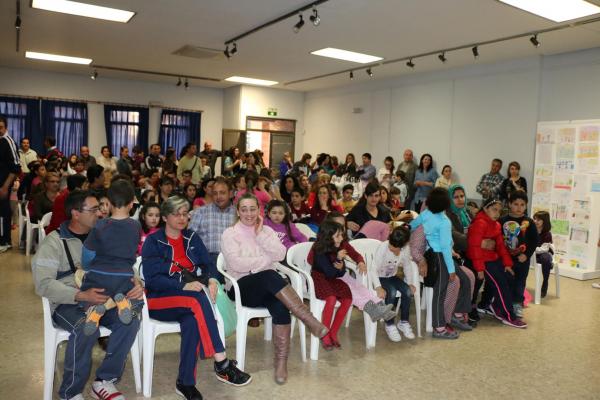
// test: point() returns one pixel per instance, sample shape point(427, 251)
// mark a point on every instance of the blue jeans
point(521, 270)
point(78, 355)
point(393, 285)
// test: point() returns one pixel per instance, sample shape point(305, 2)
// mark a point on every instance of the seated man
point(53, 269)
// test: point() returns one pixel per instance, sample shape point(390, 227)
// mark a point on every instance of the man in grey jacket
point(53, 269)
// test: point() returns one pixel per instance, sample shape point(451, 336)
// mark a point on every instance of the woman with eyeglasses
point(43, 202)
point(180, 289)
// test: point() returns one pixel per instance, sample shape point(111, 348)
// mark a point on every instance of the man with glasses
point(10, 168)
point(53, 270)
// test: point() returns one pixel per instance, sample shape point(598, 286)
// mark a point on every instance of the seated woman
point(250, 250)
point(173, 298)
point(43, 202)
point(367, 209)
point(323, 205)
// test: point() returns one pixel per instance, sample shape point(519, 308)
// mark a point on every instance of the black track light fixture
point(233, 49)
point(410, 63)
point(94, 75)
point(314, 18)
point(475, 51)
point(442, 57)
point(351, 75)
point(226, 52)
point(178, 81)
point(186, 85)
point(534, 41)
point(369, 72)
point(299, 24)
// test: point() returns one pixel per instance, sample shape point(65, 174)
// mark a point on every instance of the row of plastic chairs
point(25, 225)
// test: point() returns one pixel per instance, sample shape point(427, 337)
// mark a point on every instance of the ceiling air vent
point(201, 53)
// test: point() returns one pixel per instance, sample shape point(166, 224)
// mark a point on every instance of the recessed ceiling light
point(57, 57)
point(251, 81)
point(83, 9)
point(346, 55)
point(556, 10)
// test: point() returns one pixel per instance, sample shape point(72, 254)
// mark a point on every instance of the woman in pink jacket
point(251, 251)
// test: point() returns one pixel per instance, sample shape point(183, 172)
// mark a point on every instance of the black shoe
point(232, 374)
point(187, 392)
point(544, 293)
point(474, 316)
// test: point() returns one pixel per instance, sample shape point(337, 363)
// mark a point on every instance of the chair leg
point(429, 301)
point(417, 296)
point(28, 239)
point(349, 317)
point(370, 331)
point(302, 333)
point(538, 284)
point(315, 342)
point(50, 347)
point(148, 361)
point(135, 361)
point(240, 341)
point(268, 328)
point(293, 327)
point(557, 279)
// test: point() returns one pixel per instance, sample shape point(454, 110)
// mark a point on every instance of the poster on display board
point(566, 184)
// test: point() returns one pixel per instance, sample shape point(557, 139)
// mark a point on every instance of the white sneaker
point(596, 285)
point(393, 333)
point(105, 390)
point(4, 248)
point(406, 329)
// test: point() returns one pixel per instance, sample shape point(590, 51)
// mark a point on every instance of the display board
point(566, 183)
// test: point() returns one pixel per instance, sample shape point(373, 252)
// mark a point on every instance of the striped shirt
point(9, 158)
point(209, 222)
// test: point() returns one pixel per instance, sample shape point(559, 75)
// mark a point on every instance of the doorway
point(272, 136)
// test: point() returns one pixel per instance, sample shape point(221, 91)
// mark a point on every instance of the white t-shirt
point(387, 264)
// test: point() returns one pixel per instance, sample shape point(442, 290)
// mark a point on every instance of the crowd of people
point(178, 217)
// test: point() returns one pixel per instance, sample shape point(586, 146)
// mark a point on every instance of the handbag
point(433, 269)
point(227, 310)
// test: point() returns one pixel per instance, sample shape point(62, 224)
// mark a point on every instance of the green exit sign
point(272, 112)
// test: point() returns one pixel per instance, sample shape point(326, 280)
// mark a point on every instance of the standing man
point(409, 167)
point(211, 156)
point(10, 168)
point(367, 171)
point(54, 157)
point(125, 163)
point(210, 221)
point(154, 159)
point(190, 162)
point(53, 270)
point(26, 155)
point(489, 184)
point(84, 154)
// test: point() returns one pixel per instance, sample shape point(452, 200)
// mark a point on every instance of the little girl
point(149, 219)
point(545, 250)
point(278, 218)
point(390, 255)
point(495, 264)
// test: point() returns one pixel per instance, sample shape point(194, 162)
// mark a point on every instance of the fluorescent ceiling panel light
point(83, 10)
point(346, 55)
point(56, 57)
point(251, 81)
point(556, 10)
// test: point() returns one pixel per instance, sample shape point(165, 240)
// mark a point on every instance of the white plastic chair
point(305, 230)
point(245, 314)
point(54, 336)
point(297, 259)
point(29, 227)
point(21, 219)
point(428, 306)
point(152, 328)
point(367, 248)
point(539, 278)
point(44, 222)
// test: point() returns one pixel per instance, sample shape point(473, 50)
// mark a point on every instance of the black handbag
point(186, 276)
point(433, 268)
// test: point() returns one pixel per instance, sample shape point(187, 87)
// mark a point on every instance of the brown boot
point(281, 342)
point(290, 299)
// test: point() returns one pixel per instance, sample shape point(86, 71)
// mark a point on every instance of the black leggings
point(258, 290)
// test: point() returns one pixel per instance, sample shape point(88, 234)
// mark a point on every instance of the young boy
point(521, 237)
point(299, 208)
point(400, 184)
point(347, 202)
point(109, 253)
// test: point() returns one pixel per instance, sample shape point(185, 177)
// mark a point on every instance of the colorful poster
point(589, 133)
point(565, 150)
point(542, 186)
point(566, 135)
point(563, 181)
point(587, 157)
point(564, 166)
point(581, 185)
point(544, 171)
point(595, 183)
point(560, 227)
point(545, 135)
point(543, 154)
point(579, 235)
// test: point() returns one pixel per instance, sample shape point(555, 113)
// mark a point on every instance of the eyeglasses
point(181, 215)
point(92, 210)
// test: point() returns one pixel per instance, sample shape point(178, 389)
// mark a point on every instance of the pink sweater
point(246, 252)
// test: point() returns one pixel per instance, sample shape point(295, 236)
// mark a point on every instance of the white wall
point(463, 117)
point(78, 87)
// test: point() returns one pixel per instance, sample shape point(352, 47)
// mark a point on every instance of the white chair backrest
point(45, 221)
point(47, 315)
point(137, 268)
point(367, 248)
point(221, 264)
point(297, 256)
point(27, 211)
point(305, 230)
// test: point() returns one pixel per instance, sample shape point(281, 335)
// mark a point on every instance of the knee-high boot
point(292, 302)
point(281, 344)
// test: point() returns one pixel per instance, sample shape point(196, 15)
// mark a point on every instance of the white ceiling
point(387, 28)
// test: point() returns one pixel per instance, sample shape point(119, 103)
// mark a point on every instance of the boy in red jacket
point(495, 265)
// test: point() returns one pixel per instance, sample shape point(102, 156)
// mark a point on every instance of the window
point(23, 117)
point(67, 122)
point(126, 126)
point(177, 128)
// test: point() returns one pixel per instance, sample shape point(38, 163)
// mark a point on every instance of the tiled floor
point(557, 357)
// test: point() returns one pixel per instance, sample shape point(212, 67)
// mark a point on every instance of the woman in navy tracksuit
point(165, 254)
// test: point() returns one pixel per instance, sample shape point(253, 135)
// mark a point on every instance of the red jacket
point(483, 227)
point(58, 212)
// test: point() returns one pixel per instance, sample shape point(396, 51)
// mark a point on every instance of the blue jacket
point(157, 256)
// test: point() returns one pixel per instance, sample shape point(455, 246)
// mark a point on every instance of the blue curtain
point(177, 128)
point(23, 117)
point(67, 122)
point(126, 126)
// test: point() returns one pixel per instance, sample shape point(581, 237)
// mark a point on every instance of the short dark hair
point(394, 190)
point(121, 193)
point(324, 242)
point(298, 190)
point(3, 119)
point(368, 155)
point(348, 187)
point(150, 171)
point(518, 195)
point(399, 236)
point(75, 182)
point(223, 181)
point(50, 140)
point(75, 201)
point(438, 200)
point(166, 180)
point(94, 172)
point(23, 138)
point(497, 160)
point(401, 174)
